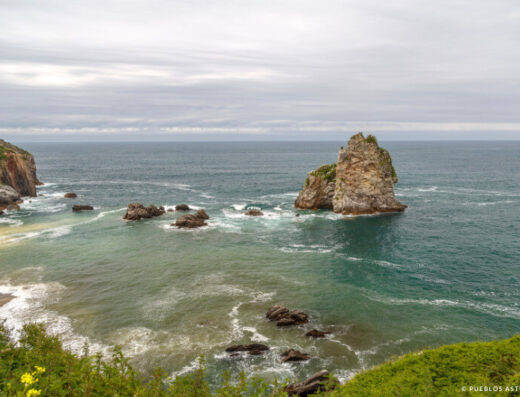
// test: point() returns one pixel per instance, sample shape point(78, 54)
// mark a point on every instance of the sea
point(446, 270)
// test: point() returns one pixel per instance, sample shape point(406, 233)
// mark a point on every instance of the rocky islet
point(361, 182)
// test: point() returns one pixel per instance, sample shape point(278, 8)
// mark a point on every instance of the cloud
point(410, 68)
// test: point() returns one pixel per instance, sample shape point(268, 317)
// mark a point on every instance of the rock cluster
point(361, 182)
point(70, 195)
point(191, 221)
point(79, 208)
point(18, 169)
point(137, 211)
point(320, 381)
point(285, 317)
point(254, 349)
point(182, 207)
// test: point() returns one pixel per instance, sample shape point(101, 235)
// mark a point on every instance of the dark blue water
point(446, 270)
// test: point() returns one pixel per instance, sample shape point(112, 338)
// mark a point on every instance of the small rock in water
point(182, 207)
point(70, 195)
point(170, 209)
point(294, 355)
point(319, 381)
point(317, 334)
point(78, 208)
point(254, 349)
point(297, 215)
point(254, 212)
point(284, 317)
point(191, 221)
point(137, 211)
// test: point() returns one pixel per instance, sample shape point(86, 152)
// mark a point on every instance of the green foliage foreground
point(39, 366)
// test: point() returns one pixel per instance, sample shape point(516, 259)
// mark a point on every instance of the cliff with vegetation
point(318, 190)
point(39, 365)
point(360, 182)
point(18, 169)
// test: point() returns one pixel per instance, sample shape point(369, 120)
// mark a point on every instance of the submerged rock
point(320, 381)
point(254, 212)
point(317, 334)
point(137, 211)
point(70, 195)
point(5, 298)
point(78, 208)
point(284, 317)
point(294, 355)
point(361, 182)
point(182, 207)
point(18, 169)
point(254, 349)
point(191, 221)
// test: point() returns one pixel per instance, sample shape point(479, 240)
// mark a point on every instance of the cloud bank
point(406, 69)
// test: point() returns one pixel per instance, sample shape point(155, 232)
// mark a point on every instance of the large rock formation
point(18, 169)
point(361, 182)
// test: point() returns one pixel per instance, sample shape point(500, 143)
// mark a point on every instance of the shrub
point(326, 172)
point(371, 139)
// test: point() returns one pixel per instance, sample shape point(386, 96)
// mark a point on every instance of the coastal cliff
point(361, 182)
point(18, 169)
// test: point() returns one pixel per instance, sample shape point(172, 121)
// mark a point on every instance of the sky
point(259, 70)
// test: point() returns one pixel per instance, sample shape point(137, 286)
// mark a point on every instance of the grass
point(444, 372)
point(39, 365)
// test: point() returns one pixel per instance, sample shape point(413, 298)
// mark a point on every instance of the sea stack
point(18, 169)
point(361, 182)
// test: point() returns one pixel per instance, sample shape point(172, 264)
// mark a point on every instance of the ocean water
point(446, 270)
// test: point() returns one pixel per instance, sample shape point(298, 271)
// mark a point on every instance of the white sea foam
point(311, 248)
point(29, 306)
point(239, 207)
point(484, 204)
point(492, 309)
point(11, 222)
point(429, 189)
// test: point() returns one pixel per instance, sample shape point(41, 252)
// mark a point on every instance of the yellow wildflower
point(28, 379)
point(33, 393)
point(39, 369)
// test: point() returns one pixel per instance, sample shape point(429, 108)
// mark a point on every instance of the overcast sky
point(210, 70)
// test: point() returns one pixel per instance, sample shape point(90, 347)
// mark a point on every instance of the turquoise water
point(446, 270)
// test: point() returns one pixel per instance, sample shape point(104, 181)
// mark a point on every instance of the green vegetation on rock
point(371, 139)
point(2, 152)
point(325, 172)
